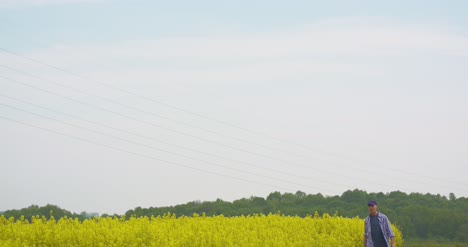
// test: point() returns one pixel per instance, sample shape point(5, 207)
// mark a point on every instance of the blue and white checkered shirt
point(384, 225)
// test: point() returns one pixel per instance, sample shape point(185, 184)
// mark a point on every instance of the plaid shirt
point(384, 225)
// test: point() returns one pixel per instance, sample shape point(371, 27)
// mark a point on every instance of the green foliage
point(462, 233)
point(434, 243)
point(47, 211)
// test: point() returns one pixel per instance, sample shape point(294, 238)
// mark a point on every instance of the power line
point(152, 113)
point(222, 122)
point(104, 109)
point(137, 109)
point(108, 85)
point(167, 143)
point(155, 148)
point(159, 126)
point(139, 154)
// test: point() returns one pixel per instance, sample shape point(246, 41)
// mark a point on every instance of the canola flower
point(198, 230)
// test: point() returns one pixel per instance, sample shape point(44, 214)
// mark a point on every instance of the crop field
point(198, 230)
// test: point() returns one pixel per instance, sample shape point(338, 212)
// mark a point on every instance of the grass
point(433, 243)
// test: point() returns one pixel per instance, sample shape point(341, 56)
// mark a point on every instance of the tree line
point(46, 211)
point(419, 216)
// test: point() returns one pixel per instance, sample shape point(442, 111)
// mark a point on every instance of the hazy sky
point(156, 103)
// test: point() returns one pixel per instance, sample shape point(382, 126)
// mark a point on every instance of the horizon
point(230, 201)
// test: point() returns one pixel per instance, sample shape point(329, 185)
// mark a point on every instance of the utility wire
point(155, 148)
point(250, 164)
point(140, 110)
point(158, 115)
point(222, 122)
point(140, 154)
point(105, 109)
point(169, 129)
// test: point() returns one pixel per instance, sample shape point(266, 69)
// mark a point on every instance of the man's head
point(372, 207)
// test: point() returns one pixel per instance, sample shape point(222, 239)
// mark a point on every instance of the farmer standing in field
point(377, 229)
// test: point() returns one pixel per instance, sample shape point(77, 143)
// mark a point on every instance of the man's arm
point(366, 224)
point(390, 233)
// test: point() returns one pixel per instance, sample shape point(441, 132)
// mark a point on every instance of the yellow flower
point(168, 230)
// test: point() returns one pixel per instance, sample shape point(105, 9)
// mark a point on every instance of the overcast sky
point(155, 103)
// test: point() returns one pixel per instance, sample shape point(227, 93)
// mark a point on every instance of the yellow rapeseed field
point(198, 230)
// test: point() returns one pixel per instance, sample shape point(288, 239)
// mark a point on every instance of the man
point(377, 230)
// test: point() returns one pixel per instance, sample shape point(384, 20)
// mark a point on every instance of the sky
point(110, 105)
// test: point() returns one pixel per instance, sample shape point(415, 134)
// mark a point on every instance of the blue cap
point(371, 203)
